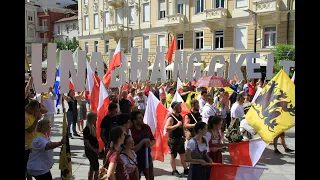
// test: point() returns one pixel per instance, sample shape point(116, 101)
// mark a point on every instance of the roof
point(68, 19)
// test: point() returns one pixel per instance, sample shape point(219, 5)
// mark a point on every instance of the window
point(146, 42)
point(162, 9)
point(74, 26)
point(59, 30)
point(107, 18)
point(67, 28)
point(199, 40)
point(161, 40)
point(31, 32)
point(180, 6)
point(132, 14)
point(85, 2)
point(44, 25)
point(95, 46)
point(241, 3)
point(240, 38)
point(269, 36)
point(86, 47)
point(30, 15)
point(146, 12)
point(218, 39)
point(199, 6)
point(86, 23)
point(96, 21)
point(106, 46)
point(219, 3)
point(119, 15)
point(180, 41)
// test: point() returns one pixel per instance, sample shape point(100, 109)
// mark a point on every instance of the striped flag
point(65, 155)
point(235, 172)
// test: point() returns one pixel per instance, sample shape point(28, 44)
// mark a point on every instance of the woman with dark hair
point(114, 164)
point(124, 121)
point(41, 157)
point(129, 158)
point(215, 138)
point(72, 113)
point(91, 146)
point(196, 154)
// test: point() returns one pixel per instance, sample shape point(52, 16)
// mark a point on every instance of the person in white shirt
point(237, 108)
point(141, 101)
point(47, 100)
point(246, 129)
point(202, 100)
point(208, 109)
point(41, 157)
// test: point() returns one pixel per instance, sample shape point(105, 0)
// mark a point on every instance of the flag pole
point(147, 164)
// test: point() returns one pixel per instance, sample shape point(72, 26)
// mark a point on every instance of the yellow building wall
point(101, 46)
point(90, 46)
point(230, 7)
point(207, 37)
point(291, 32)
point(81, 44)
point(188, 40)
point(153, 42)
point(153, 12)
point(138, 43)
point(208, 4)
point(228, 40)
point(282, 33)
point(250, 40)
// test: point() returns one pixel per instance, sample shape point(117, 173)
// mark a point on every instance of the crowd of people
point(199, 137)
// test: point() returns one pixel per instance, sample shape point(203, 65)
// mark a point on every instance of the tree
point(283, 52)
point(71, 45)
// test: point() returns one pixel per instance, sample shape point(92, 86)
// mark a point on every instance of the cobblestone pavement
point(280, 167)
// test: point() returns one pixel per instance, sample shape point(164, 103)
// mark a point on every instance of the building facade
point(66, 28)
point(211, 27)
point(31, 24)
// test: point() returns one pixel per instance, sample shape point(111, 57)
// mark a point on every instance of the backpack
point(233, 132)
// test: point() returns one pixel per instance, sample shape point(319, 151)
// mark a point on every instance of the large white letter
point(67, 66)
point(139, 65)
point(212, 66)
point(179, 66)
point(37, 67)
point(270, 64)
point(234, 67)
point(97, 63)
point(119, 72)
point(252, 66)
point(192, 68)
point(156, 72)
point(287, 65)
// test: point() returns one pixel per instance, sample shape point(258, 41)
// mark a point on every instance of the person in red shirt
point(251, 88)
point(143, 138)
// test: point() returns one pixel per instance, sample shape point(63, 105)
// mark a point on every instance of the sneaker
point(186, 172)
point(287, 150)
point(276, 151)
point(76, 135)
point(176, 173)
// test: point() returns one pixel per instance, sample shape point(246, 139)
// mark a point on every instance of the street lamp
point(255, 30)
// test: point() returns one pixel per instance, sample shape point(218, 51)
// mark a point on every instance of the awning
point(215, 69)
point(170, 66)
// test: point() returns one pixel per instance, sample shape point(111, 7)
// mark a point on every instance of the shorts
point(26, 157)
point(176, 146)
point(93, 159)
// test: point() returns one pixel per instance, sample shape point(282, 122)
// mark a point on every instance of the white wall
point(63, 30)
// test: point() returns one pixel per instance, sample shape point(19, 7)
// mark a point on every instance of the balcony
point(42, 40)
point(174, 20)
point(265, 6)
point(216, 14)
point(115, 3)
point(42, 29)
point(113, 28)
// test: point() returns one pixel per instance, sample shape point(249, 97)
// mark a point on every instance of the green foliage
point(283, 52)
point(64, 45)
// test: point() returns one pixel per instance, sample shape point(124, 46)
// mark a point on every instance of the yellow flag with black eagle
point(191, 96)
point(273, 112)
point(65, 154)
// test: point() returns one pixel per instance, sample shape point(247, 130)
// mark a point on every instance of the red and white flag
point(71, 86)
point(247, 152)
point(235, 172)
point(115, 62)
point(154, 117)
point(172, 48)
point(102, 112)
point(94, 87)
point(179, 84)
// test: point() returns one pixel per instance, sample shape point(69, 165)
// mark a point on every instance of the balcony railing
point(266, 5)
point(115, 3)
point(42, 28)
point(174, 20)
point(112, 28)
point(42, 40)
point(216, 14)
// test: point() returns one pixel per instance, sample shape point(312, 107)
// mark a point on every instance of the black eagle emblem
point(271, 103)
